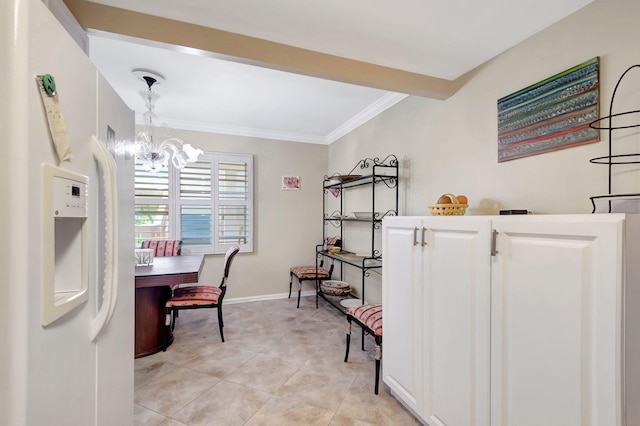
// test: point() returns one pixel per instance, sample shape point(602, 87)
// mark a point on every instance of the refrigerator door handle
point(107, 166)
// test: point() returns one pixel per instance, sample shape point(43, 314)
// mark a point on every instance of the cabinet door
point(556, 319)
point(402, 349)
point(456, 309)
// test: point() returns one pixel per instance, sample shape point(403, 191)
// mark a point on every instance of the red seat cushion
point(309, 272)
point(194, 296)
point(369, 315)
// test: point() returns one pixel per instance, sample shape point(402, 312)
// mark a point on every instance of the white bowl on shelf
point(364, 215)
point(351, 303)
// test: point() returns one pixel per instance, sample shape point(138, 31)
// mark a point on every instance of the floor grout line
point(276, 335)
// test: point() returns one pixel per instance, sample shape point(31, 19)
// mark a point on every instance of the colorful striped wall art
point(550, 115)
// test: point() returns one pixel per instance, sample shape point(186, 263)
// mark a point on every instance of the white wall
point(451, 146)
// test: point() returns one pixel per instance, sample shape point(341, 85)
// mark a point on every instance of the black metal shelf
point(612, 160)
point(391, 181)
point(335, 301)
point(378, 175)
point(353, 259)
point(336, 218)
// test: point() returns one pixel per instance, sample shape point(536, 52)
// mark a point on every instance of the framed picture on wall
point(290, 183)
point(550, 115)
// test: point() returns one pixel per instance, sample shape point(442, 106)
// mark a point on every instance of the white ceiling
point(438, 38)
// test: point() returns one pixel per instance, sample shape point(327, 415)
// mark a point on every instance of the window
point(208, 204)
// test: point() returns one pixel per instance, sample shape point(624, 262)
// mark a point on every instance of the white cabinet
point(557, 319)
point(403, 366)
point(436, 295)
point(544, 331)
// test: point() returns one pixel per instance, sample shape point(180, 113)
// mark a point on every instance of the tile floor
point(278, 366)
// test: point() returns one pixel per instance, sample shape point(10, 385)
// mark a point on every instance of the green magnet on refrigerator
point(49, 84)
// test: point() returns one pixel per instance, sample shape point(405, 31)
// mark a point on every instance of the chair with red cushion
point(369, 318)
point(309, 273)
point(200, 296)
point(316, 273)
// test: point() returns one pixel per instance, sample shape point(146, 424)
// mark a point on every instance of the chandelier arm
point(170, 150)
point(174, 142)
point(155, 151)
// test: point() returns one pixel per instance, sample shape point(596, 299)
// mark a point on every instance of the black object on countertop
point(507, 212)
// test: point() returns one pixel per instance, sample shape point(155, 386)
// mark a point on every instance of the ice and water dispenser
point(65, 273)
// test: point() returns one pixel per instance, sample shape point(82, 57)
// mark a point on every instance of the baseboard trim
point(267, 297)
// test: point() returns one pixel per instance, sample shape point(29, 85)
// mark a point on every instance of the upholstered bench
point(308, 273)
point(369, 318)
point(163, 247)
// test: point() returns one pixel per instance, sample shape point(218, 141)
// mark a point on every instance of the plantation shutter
point(195, 207)
point(152, 205)
point(208, 204)
point(234, 201)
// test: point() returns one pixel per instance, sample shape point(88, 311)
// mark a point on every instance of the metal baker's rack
point(612, 160)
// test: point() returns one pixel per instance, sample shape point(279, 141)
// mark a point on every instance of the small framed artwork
point(290, 183)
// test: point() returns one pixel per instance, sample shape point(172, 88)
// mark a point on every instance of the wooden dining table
point(153, 289)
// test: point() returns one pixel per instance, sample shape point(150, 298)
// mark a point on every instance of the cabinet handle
point(415, 236)
point(494, 242)
point(424, 239)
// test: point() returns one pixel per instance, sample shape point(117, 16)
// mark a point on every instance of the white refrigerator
point(67, 284)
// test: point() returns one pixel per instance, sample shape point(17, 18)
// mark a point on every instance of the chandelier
point(153, 146)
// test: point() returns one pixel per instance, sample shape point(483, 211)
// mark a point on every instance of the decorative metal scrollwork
point(335, 218)
point(389, 181)
point(388, 161)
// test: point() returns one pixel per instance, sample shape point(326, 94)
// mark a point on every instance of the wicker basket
point(335, 288)
point(454, 209)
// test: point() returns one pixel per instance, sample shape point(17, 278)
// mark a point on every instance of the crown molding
point(376, 108)
point(237, 131)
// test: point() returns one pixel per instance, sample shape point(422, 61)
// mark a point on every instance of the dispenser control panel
point(69, 197)
point(65, 254)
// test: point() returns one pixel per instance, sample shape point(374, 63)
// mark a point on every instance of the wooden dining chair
point(315, 273)
point(309, 273)
point(199, 296)
point(369, 318)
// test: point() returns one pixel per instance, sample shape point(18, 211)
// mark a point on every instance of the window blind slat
point(210, 206)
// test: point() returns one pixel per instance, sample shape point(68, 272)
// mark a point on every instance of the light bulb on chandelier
point(156, 148)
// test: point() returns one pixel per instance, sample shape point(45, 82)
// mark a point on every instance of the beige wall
point(451, 145)
point(443, 146)
point(287, 223)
